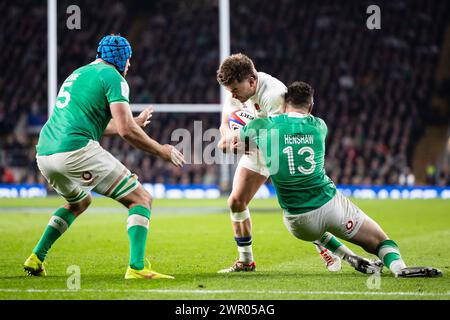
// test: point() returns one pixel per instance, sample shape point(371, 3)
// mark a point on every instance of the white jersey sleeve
point(269, 97)
point(272, 102)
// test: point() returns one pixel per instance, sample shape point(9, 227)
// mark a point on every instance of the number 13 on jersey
point(309, 159)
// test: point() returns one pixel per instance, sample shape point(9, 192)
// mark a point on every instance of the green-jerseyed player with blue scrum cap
point(94, 101)
point(293, 146)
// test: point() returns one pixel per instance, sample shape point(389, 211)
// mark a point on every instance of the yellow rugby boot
point(146, 273)
point(34, 267)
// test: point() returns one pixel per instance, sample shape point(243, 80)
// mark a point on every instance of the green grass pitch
point(192, 239)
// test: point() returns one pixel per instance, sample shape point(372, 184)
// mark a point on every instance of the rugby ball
point(239, 119)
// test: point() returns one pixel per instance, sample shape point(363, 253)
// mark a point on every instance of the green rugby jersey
point(81, 110)
point(293, 147)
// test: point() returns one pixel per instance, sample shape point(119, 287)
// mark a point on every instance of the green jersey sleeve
point(116, 87)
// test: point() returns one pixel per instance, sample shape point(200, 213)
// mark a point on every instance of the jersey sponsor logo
point(246, 115)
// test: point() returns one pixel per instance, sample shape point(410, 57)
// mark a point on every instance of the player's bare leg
point(245, 185)
point(58, 224)
point(369, 236)
point(373, 239)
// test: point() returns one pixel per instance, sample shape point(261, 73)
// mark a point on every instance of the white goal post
point(52, 63)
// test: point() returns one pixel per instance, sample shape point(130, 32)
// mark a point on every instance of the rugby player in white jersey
point(262, 95)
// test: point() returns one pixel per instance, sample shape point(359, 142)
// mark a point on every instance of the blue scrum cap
point(115, 50)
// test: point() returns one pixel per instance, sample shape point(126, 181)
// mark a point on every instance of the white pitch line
point(280, 292)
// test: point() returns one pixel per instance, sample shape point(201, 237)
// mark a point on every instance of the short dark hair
point(236, 67)
point(299, 94)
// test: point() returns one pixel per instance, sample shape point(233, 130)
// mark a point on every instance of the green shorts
point(75, 173)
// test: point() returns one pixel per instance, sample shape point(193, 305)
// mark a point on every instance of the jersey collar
point(297, 115)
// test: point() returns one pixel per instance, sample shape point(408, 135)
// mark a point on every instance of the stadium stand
point(373, 87)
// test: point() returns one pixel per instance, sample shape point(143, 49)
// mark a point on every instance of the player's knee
point(85, 204)
point(79, 207)
point(372, 242)
point(139, 196)
point(148, 199)
point(145, 199)
point(236, 204)
point(369, 247)
point(376, 238)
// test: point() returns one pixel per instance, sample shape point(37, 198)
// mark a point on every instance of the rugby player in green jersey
point(92, 102)
point(293, 146)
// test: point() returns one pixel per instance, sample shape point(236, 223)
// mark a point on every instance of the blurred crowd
point(372, 87)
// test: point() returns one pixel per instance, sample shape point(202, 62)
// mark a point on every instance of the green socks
point(389, 253)
point(58, 224)
point(138, 221)
point(137, 225)
point(334, 245)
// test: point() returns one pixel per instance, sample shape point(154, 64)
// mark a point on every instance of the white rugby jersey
point(267, 101)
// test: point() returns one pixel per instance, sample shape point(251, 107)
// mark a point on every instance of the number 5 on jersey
point(63, 94)
point(309, 159)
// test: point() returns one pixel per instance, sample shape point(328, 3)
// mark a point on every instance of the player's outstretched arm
point(142, 120)
point(130, 131)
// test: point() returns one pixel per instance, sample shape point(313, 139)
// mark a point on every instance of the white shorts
point(254, 162)
point(339, 216)
point(75, 173)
